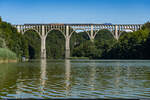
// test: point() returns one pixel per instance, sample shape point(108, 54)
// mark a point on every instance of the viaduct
point(68, 29)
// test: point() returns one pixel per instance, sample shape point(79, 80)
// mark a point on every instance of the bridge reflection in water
point(67, 76)
point(43, 76)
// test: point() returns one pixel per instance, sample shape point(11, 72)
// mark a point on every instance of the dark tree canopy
point(55, 45)
point(33, 44)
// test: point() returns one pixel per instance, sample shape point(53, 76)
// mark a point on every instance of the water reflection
point(75, 79)
point(92, 75)
point(19, 85)
point(67, 76)
point(43, 76)
point(117, 72)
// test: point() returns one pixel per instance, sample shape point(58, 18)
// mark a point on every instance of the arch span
point(55, 29)
point(104, 29)
point(125, 32)
point(80, 30)
point(32, 30)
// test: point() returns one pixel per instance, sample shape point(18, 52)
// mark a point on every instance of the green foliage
point(5, 53)
point(0, 19)
point(13, 39)
point(132, 45)
point(86, 49)
point(76, 40)
point(94, 50)
point(2, 43)
point(104, 40)
point(55, 45)
point(32, 44)
point(146, 26)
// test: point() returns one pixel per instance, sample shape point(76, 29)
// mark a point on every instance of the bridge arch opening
point(128, 30)
point(55, 29)
point(24, 32)
point(55, 44)
point(81, 33)
point(33, 44)
point(104, 34)
point(125, 31)
point(104, 40)
point(79, 39)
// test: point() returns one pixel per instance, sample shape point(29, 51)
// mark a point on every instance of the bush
point(5, 53)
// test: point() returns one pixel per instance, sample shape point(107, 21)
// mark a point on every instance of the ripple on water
point(84, 79)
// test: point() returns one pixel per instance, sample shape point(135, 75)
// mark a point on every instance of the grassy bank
point(7, 55)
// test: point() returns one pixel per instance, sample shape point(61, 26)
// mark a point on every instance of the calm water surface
point(76, 79)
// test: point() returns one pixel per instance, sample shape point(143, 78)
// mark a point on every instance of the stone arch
point(124, 32)
point(55, 29)
point(23, 32)
point(112, 33)
point(79, 29)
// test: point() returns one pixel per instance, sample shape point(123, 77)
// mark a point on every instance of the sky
point(75, 11)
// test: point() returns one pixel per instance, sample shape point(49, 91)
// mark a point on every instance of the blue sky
point(75, 11)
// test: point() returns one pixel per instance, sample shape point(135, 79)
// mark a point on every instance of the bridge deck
point(82, 24)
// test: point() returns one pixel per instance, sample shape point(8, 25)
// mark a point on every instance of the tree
point(32, 44)
point(0, 19)
point(55, 45)
point(11, 37)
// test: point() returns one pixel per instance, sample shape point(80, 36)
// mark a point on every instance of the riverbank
point(8, 61)
point(7, 55)
point(78, 58)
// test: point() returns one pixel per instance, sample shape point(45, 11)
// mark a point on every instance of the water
point(76, 79)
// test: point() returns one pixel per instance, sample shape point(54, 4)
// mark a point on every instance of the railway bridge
point(68, 29)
